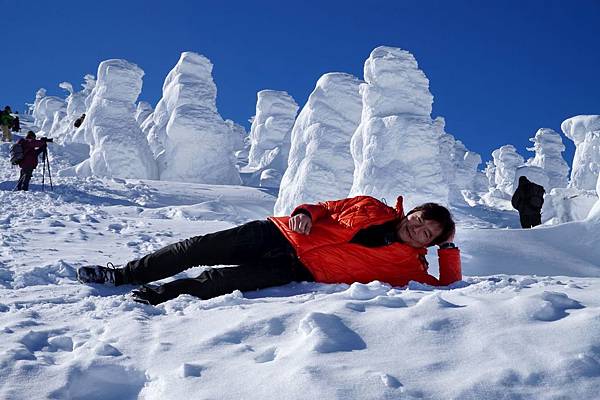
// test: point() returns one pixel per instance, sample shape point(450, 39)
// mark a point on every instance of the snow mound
point(320, 165)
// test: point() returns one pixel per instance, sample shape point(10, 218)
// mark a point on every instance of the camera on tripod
point(47, 139)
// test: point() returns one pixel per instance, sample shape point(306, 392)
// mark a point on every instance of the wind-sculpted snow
point(584, 131)
point(548, 147)
point(320, 165)
point(117, 146)
point(396, 146)
point(270, 131)
point(188, 137)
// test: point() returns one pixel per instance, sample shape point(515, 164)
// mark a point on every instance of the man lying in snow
point(359, 239)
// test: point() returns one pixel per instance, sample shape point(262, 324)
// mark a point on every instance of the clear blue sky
point(498, 70)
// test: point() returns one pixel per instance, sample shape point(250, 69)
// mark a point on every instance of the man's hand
point(300, 223)
point(450, 238)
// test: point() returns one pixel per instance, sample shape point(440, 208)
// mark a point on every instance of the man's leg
point(219, 281)
point(524, 218)
point(536, 219)
point(6, 136)
point(27, 174)
point(240, 245)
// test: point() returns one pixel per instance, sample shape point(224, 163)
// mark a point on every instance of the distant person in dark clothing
point(528, 200)
point(32, 148)
point(79, 121)
point(6, 123)
point(16, 127)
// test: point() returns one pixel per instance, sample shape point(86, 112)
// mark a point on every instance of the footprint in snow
point(327, 333)
point(391, 382)
point(266, 356)
point(190, 370)
point(105, 349)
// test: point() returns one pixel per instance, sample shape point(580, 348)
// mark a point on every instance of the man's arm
point(326, 208)
point(449, 261)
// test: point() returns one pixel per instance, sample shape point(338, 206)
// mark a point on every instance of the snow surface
point(320, 165)
point(524, 323)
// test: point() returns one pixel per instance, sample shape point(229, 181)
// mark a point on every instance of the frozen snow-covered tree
point(548, 147)
point(506, 161)
point(320, 165)
point(117, 146)
point(270, 130)
point(396, 146)
point(584, 131)
point(198, 144)
point(142, 111)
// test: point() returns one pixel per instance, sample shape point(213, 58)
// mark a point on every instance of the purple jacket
point(31, 150)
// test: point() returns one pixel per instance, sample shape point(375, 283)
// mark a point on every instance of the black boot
point(109, 275)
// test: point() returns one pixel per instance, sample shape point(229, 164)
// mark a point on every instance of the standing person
point(79, 121)
point(16, 126)
point(6, 123)
point(528, 200)
point(358, 239)
point(32, 148)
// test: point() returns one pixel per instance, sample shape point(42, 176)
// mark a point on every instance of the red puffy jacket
point(331, 258)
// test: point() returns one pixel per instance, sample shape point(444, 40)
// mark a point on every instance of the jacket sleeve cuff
point(315, 211)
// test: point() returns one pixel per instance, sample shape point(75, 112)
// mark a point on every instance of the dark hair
point(439, 214)
point(30, 135)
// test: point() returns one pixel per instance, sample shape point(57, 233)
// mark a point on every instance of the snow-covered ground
point(523, 324)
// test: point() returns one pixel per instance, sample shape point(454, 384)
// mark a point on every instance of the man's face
point(416, 231)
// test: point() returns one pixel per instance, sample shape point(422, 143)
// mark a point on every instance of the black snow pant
point(24, 178)
point(260, 256)
point(530, 220)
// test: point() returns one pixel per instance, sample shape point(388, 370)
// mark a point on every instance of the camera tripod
point(46, 164)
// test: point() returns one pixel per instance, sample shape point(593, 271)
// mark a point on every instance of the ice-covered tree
point(117, 145)
point(396, 146)
point(190, 139)
point(584, 131)
point(320, 165)
point(271, 129)
point(548, 148)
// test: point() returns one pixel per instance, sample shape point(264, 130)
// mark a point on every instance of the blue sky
point(498, 70)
